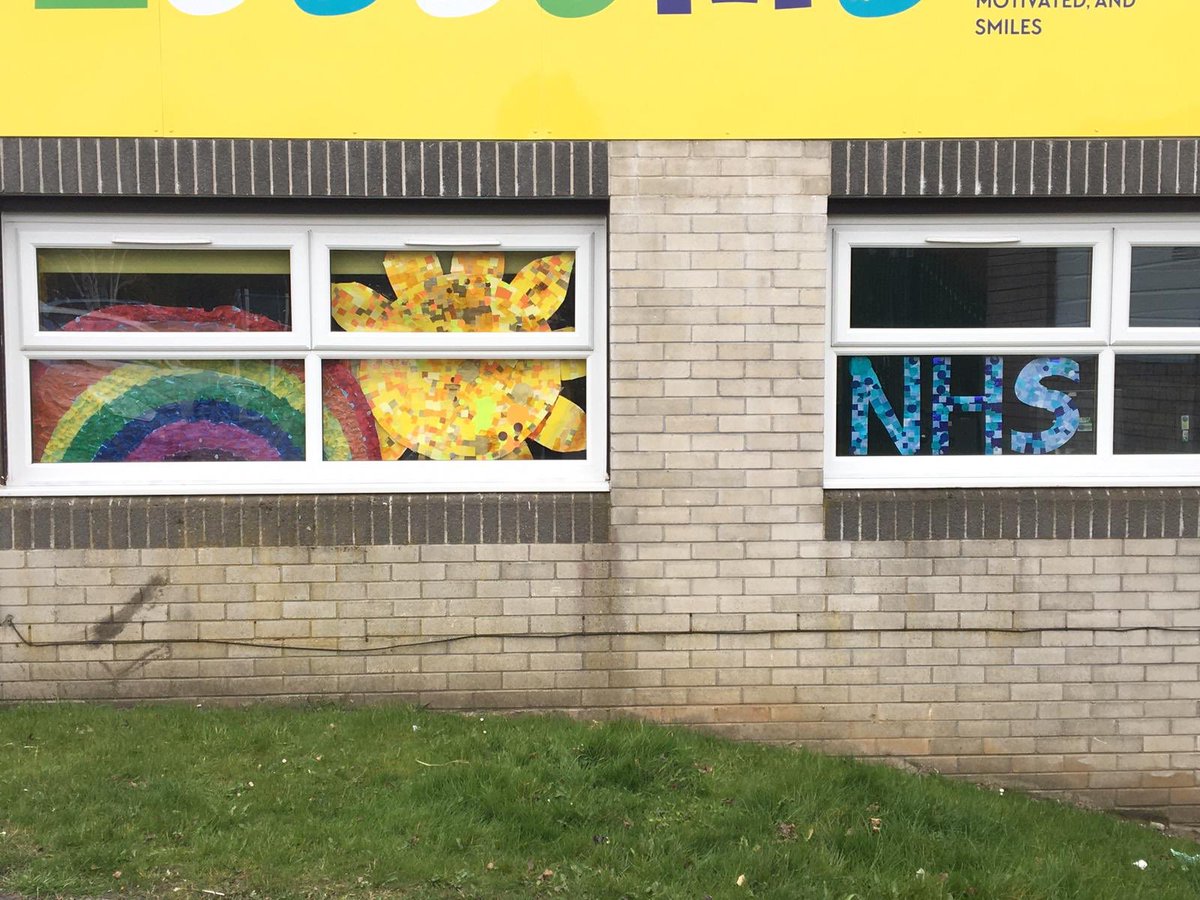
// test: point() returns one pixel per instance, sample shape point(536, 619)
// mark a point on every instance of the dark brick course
point(124, 523)
point(1064, 167)
point(1029, 513)
point(190, 167)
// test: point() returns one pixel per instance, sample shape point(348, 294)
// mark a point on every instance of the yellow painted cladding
point(266, 68)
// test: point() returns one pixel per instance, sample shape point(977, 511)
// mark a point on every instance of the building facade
point(720, 554)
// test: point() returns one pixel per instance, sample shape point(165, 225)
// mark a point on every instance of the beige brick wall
point(1066, 667)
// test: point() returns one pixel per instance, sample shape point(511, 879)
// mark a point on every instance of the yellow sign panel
point(599, 69)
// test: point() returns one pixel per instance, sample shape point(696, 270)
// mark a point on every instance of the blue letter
point(865, 393)
point(990, 403)
point(1030, 391)
point(332, 7)
point(875, 9)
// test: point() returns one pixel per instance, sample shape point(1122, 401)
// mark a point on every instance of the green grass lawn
point(394, 802)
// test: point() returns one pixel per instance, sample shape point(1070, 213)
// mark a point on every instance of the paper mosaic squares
point(472, 409)
point(372, 409)
point(465, 408)
point(472, 297)
point(963, 423)
point(990, 403)
point(167, 410)
point(1032, 392)
point(867, 396)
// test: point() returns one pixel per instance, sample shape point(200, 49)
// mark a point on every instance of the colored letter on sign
point(867, 394)
point(332, 7)
point(990, 403)
point(876, 9)
point(1030, 391)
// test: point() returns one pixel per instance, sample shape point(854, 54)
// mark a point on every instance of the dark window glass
point(1157, 407)
point(1165, 287)
point(965, 405)
point(973, 287)
point(164, 290)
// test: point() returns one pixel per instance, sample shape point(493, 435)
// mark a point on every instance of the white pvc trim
point(1108, 335)
point(311, 340)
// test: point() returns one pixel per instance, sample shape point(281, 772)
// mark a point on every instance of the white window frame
point(1106, 336)
point(311, 340)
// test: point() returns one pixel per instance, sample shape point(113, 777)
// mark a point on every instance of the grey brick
point(543, 164)
point(224, 152)
point(875, 168)
point(469, 168)
point(581, 169)
point(356, 169)
point(454, 518)
point(88, 150)
point(1078, 163)
point(43, 156)
point(526, 174)
point(166, 169)
point(544, 512)
point(598, 155)
point(242, 168)
point(146, 162)
point(334, 184)
point(203, 152)
point(393, 165)
point(451, 169)
point(506, 169)
point(374, 171)
point(856, 168)
point(1169, 167)
point(69, 176)
point(6, 526)
point(186, 168)
point(1042, 152)
point(10, 165)
point(280, 171)
point(472, 518)
point(412, 169)
point(561, 160)
point(431, 169)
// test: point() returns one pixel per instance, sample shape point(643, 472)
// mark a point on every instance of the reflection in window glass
point(975, 287)
point(1157, 407)
point(420, 291)
point(167, 410)
point(1164, 287)
point(965, 405)
point(454, 409)
point(164, 290)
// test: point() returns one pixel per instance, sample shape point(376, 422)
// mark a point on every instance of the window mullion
point(313, 411)
point(1105, 397)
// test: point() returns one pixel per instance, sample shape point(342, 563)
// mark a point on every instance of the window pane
point(164, 290)
point(454, 409)
point(1165, 287)
point(167, 410)
point(965, 405)
point(1157, 406)
point(974, 287)
point(465, 290)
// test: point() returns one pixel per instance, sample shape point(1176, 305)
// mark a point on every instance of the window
point(178, 355)
point(994, 352)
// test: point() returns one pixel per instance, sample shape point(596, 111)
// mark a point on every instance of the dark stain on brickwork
point(118, 672)
point(114, 623)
